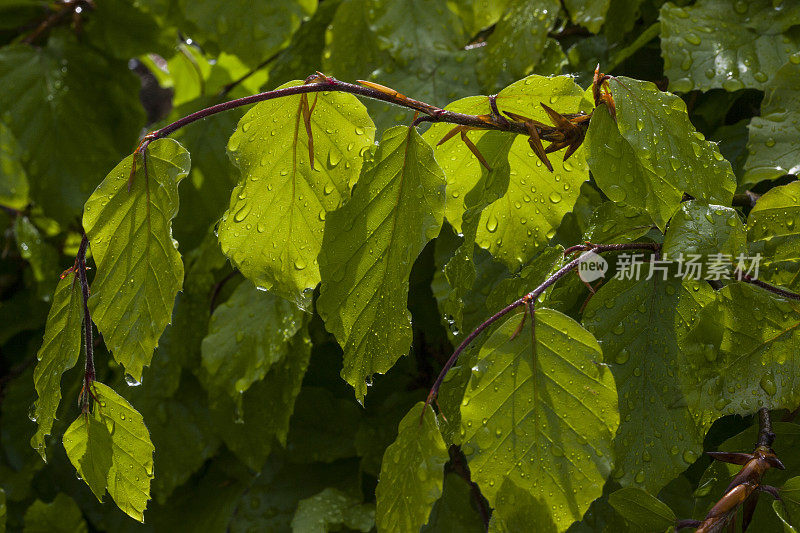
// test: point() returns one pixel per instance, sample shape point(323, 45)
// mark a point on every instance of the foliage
point(253, 342)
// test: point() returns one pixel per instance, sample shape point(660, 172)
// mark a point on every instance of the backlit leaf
point(139, 269)
point(111, 450)
point(59, 352)
point(411, 473)
point(541, 415)
point(270, 147)
point(640, 324)
point(368, 250)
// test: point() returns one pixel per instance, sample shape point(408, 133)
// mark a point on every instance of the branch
point(528, 300)
point(747, 482)
point(741, 276)
point(89, 371)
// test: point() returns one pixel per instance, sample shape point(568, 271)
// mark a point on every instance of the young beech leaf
point(525, 216)
point(272, 230)
point(641, 324)
point(111, 450)
point(541, 414)
point(59, 352)
point(368, 250)
point(139, 269)
point(412, 473)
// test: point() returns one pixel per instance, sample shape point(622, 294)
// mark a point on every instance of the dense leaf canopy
point(255, 304)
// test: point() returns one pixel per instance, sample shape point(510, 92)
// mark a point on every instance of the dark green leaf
point(517, 509)
point(60, 515)
point(642, 509)
point(368, 250)
point(790, 494)
point(774, 232)
point(411, 474)
point(139, 269)
point(698, 229)
point(322, 427)
point(773, 143)
point(721, 43)
point(588, 13)
point(332, 507)
point(13, 178)
point(111, 449)
point(248, 334)
point(455, 510)
point(59, 352)
point(73, 112)
point(270, 147)
point(542, 416)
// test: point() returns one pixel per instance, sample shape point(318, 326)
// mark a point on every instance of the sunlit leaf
point(541, 415)
point(588, 13)
point(368, 250)
point(774, 232)
point(411, 473)
point(270, 147)
point(773, 145)
point(59, 352)
point(640, 324)
point(698, 229)
point(516, 509)
point(139, 269)
point(731, 45)
point(111, 450)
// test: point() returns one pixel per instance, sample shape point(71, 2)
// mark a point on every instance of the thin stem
point(530, 298)
point(89, 371)
point(741, 276)
point(765, 435)
point(326, 83)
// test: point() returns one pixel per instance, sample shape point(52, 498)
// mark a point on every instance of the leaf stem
point(741, 276)
point(89, 371)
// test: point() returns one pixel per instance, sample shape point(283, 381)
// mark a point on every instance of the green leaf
point(13, 178)
point(368, 250)
point(111, 449)
point(773, 144)
point(752, 339)
point(266, 406)
point(590, 14)
point(517, 225)
point(59, 352)
point(125, 29)
point(352, 50)
point(73, 112)
point(774, 232)
point(780, 511)
point(698, 229)
point(60, 515)
point(332, 507)
point(716, 44)
point(662, 154)
point(524, 26)
point(251, 31)
point(42, 256)
point(642, 509)
point(456, 509)
point(611, 223)
point(641, 324)
point(270, 147)
point(408, 28)
point(518, 510)
point(479, 14)
point(412, 473)
point(542, 416)
point(247, 335)
point(139, 269)
point(790, 494)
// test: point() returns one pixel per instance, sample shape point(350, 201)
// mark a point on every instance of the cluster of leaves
point(270, 319)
